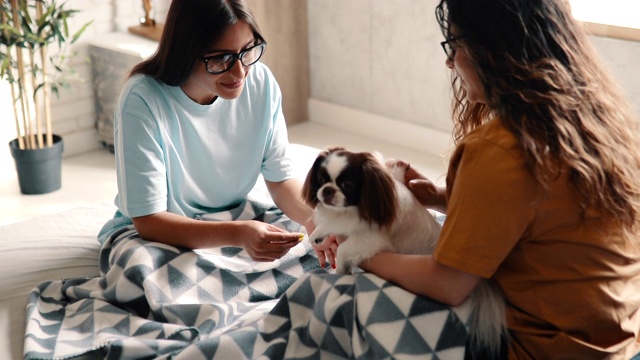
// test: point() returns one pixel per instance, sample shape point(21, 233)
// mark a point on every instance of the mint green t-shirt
point(176, 155)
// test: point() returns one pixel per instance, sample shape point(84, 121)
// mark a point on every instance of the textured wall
point(381, 57)
point(384, 58)
point(621, 57)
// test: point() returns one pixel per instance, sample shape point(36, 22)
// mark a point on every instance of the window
point(613, 18)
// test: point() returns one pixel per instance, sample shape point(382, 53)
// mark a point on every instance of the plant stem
point(35, 127)
point(16, 112)
point(45, 87)
point(23, 84)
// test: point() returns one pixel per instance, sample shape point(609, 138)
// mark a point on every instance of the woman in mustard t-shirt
point(543, 189)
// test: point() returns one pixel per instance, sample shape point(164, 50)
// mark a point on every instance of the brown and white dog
point(358, 196)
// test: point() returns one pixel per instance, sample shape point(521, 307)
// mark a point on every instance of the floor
point(90, 178)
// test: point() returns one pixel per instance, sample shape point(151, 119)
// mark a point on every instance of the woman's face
point(203, 87)
point(467, 73)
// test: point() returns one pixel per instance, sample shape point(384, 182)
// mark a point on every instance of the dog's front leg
point(344, 261)
point(357, 248)
point(318, 235)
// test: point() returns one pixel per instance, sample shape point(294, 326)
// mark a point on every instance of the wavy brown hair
point(545, 83)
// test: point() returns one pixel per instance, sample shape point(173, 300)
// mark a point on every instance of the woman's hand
point(424, 189)
point(266, 242)
point(327, 250)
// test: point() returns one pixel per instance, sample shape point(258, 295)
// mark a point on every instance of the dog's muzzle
point(327, 195)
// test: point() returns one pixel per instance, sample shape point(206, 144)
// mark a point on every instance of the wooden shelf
point(153, 32)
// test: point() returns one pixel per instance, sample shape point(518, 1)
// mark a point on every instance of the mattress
point(45, 248)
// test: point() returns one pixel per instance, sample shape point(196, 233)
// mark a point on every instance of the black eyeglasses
point(217, 64)
point(449, 50)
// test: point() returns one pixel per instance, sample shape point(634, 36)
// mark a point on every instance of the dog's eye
point(347, 185)
point(323, 176)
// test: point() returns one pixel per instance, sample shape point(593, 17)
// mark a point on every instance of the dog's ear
point(379, 199)
point(311, 183)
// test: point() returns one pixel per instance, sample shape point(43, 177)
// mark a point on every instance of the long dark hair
point(545, 83)
point(191, 27)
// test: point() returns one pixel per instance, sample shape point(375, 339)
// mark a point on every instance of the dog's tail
point(488, 320)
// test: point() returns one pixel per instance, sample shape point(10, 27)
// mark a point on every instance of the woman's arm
point(418, 274)
point(262, 241)
point(287, 196)
point(422, 275)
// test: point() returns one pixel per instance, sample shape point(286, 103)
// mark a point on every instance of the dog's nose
point(328, 193)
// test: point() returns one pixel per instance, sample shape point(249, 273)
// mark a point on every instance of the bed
point(64, 296)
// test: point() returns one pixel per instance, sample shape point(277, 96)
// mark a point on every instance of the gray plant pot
point(39, 170)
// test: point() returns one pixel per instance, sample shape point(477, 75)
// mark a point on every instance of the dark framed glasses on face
point(217, 64)
point(449, 50)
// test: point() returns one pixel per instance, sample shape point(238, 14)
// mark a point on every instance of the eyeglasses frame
point(452, 55)
point(236, 57)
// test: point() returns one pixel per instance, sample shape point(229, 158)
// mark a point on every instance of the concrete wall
point(377, 68)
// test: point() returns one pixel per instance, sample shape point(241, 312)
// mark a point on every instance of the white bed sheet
point(64, 245)
point(50, 247)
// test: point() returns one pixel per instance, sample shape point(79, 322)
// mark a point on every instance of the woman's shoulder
point(262, 82)
point(492, 133)
point(261, 70)
point(145, 89)
point(142, 94)
point(142, 83)
point(261, 75)
point(493, 141)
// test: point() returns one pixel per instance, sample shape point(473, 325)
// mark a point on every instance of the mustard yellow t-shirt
point(572, 284)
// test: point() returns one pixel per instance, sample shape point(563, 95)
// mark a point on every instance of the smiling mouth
point(233, 85)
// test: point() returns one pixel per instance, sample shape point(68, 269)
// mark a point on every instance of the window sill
point(613, 31)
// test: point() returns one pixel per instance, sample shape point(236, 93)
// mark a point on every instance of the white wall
point(381, 57)
point(74, 111)
point(621, 57)
point(380, 62)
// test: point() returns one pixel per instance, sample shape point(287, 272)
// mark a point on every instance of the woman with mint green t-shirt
point(195, 126)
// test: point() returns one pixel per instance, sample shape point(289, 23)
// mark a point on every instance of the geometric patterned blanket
point(156, 301)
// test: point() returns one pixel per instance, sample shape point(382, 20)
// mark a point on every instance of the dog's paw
point(317, 236)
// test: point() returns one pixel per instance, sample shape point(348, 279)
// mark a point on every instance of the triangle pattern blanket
point(155, 301)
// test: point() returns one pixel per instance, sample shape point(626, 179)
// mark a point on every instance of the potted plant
point(29, 31)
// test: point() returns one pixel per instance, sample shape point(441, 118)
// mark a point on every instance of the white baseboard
point(80, 142)
point(400, 133)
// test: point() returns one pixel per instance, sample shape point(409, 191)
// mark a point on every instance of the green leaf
point(36, 32)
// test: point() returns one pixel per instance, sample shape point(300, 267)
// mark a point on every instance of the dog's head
point(340, 179)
